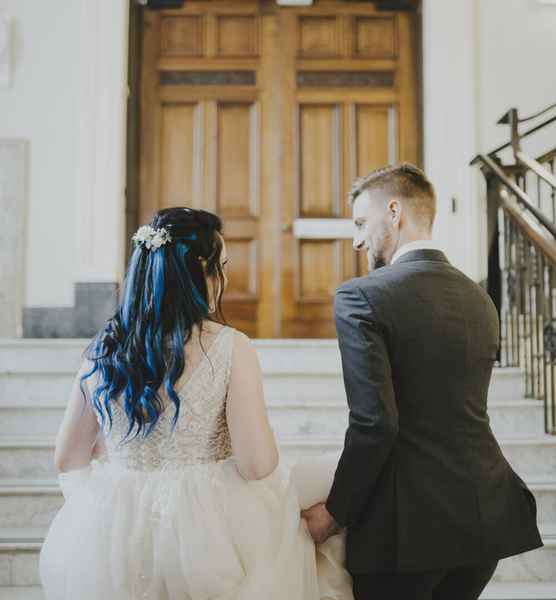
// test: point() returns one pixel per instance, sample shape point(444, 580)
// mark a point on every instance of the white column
point(450, 81)
point(100, 200)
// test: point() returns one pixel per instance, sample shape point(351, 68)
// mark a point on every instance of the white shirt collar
point(416, 245)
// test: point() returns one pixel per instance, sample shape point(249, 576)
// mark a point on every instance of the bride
point(172, 480)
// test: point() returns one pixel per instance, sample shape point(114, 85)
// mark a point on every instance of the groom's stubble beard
point(376, 261)
point(381, 251)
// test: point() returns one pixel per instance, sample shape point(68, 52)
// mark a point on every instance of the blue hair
point(141, 348)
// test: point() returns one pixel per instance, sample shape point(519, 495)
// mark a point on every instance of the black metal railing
point(521, 202)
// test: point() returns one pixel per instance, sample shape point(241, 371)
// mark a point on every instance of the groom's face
point(374, 231)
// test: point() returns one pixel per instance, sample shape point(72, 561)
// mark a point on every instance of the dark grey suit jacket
point(422, 483)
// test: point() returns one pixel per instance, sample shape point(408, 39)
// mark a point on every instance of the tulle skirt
point(198, 533)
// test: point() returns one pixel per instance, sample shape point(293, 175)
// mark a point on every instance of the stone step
point(533, 455)
point(41, 370)
point(19, 556)
point(33, 456)
point(545, 494)
point(27, 457)
point(58, 355)
point(22, 593)
point(25, 390)
point(41, 356)
point(523, 419)
point(19, 553)
point(63, 356)
point(535, 566)
point(50, 390)
point(30, 420)
point(507, 384)
point(517, 419)
point(494, 591)
point(520, 591)
point(25, 503)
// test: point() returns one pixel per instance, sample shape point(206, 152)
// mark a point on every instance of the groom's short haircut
point(403, 181)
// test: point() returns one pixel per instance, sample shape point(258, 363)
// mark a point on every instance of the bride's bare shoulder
point(207, 329)
point(244, 350)
point(210, 330)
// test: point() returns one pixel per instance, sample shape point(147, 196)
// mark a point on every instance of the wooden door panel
point(237, 36)
point(179, 150)
point(320, 157)
point(318, 36)
point(236, 154)
point(375, 37)
point(242, 269)
point(374, 135)
point(181, 36)
point(319, 271)
point(238, 158)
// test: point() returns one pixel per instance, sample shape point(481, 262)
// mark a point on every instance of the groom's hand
point(320, 522)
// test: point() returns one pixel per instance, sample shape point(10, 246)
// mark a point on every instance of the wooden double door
point(265, 115)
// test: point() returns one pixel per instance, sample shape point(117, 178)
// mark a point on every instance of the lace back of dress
point(201, 433)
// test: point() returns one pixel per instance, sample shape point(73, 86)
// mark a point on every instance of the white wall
point(516, 67)
point(450, 105)
point(42, 106)
point(481, 57)
point(100, 229)
point(68, 99)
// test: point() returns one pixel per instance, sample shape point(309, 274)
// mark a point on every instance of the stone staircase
point(306, 402)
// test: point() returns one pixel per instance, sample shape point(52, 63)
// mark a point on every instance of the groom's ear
point(394, 209)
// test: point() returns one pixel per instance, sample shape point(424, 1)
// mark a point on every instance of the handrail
point(531, 229)
point(537, 168)
point(521, 208)
point(524, 135)
point(522, 197)
point(547, 156)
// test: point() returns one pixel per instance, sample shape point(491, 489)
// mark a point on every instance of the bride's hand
point(320, 522)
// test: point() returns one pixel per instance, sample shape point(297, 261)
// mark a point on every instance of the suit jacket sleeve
point(373, 413)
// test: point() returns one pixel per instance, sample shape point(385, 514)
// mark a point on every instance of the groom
point(428, 499)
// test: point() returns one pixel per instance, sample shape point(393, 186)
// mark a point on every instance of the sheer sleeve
point(253, 442)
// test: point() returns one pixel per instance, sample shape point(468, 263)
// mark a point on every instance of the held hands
point(320, 522)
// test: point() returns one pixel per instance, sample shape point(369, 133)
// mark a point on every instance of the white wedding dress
point(169, 517)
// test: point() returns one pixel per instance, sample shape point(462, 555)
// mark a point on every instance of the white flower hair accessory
point(151, 238)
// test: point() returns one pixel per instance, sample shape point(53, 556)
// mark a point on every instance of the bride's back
point(201, 434)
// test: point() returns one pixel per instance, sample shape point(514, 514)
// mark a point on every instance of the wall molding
point(450, 129)
point(100, 205)
point(14, 171)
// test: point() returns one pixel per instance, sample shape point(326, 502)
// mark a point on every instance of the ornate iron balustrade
point(521, 201)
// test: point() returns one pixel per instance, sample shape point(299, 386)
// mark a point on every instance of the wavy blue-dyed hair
point(165, 294)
